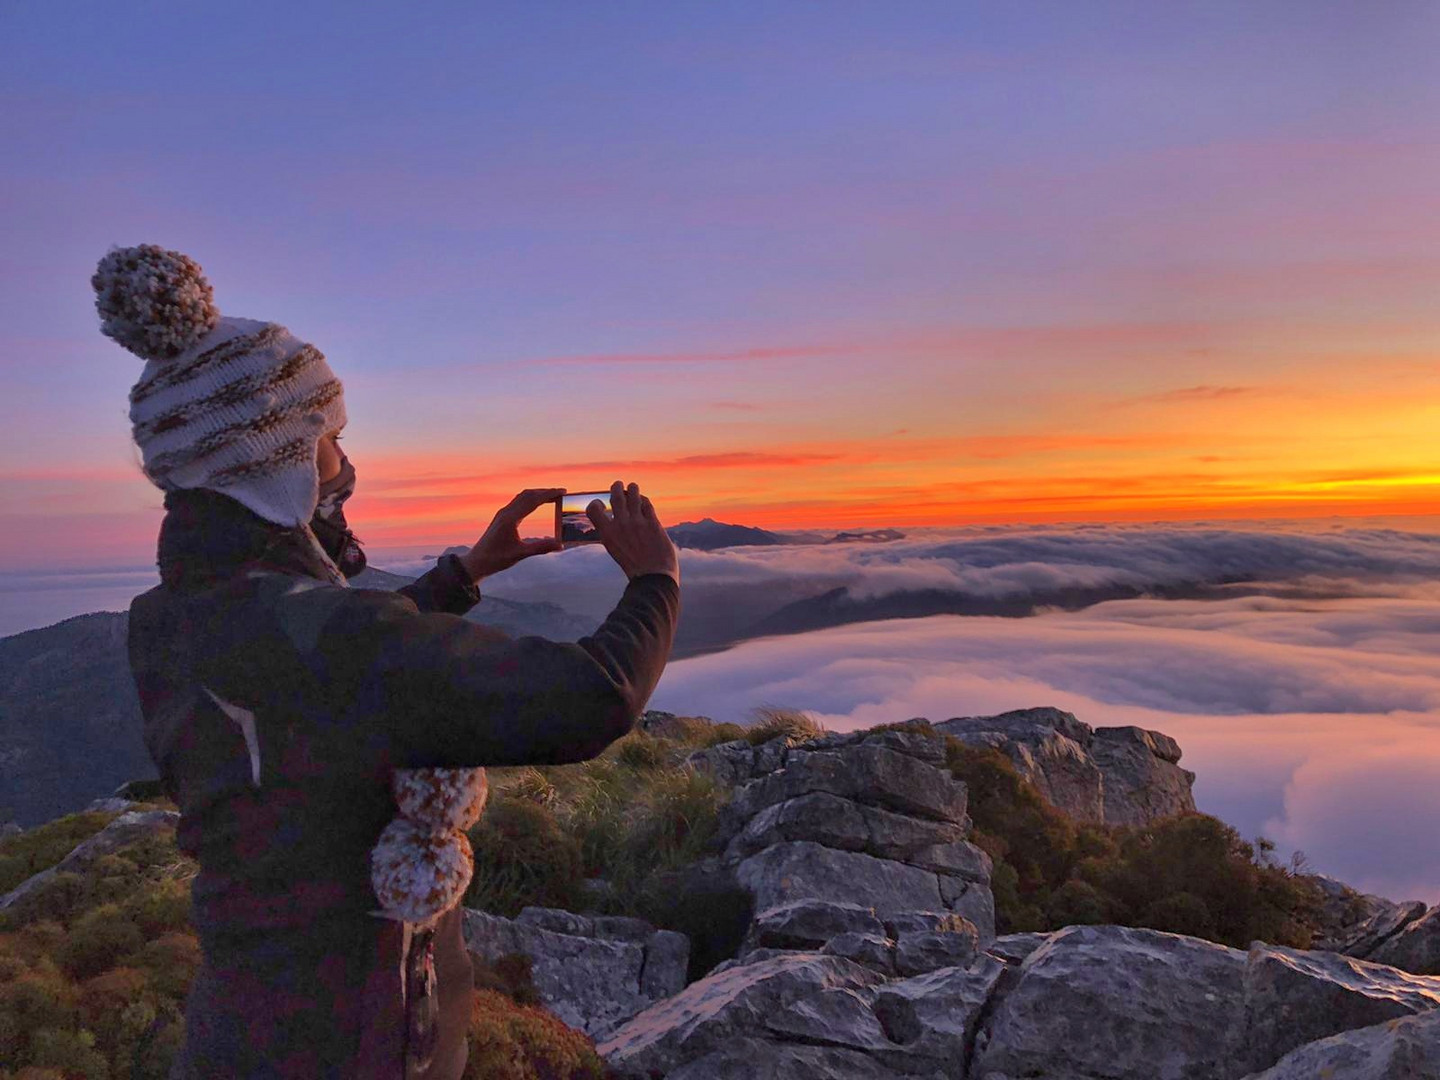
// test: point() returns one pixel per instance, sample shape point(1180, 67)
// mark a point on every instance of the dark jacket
point(283, 783)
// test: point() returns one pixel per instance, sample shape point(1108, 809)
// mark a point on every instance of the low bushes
point(1188, 874)
point(510, 1041)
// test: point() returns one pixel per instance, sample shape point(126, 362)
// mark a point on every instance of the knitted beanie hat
point(230, 404)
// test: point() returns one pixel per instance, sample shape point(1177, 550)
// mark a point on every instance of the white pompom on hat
point(230, 404)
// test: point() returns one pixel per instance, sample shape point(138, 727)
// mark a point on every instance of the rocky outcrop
point(1405, 935)
point(1416, 948)
point(593, 972)
point(124, 830)
point(871, 818)
point(806, 1014)
point(1083, 1003)
point(1293, 997)
point(1407, 1049)
point(1116, 1002)
point(1112, 776)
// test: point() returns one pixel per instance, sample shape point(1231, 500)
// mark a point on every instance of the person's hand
point(501, 546)
point(632, 533)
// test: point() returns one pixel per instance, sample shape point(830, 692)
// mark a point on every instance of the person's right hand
point(632, 533)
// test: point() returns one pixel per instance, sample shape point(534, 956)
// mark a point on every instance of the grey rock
point(1049, 748)
point(593, 972)
point(667, 956)
point(957, 859)
point(745, 1000)
point(930, 748)
point(873, 950)
point(1117, 776)
point(808, 924)
point(845, 824)
point(124, 830)
point(919, 953)
point(1293, 997)
point(1143, 783)
point(731, 763)
point(834, 1015)
point(556, 919)
point(110, 805)
point(972, 899)
point(934, 1016)
point(1407, 1049)
point(750, 1058)
point(804, 870)
point(926, 922)
point(1416, 948)
point(1014, 948)
point(872, 774)
point(754, 956)
point(11, 828)
point(1385, 920)
point(1358, 923)
point(1119, 1003)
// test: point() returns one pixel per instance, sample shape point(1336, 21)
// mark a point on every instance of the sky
point(797, 265)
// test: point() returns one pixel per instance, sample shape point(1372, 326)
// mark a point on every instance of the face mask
point(328, 522)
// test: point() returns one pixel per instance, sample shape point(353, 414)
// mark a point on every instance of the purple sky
point(851, 232)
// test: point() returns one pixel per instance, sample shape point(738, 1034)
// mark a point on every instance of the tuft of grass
point(916, 726)
point(531, 785)
point(771, 721)
point(522, 856)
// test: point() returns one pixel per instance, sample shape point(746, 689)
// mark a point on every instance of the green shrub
point(510, 1041)
point(1189, 874)
point(73, 1053)
point(98, 939)
point(40, 848)
point(36, 1000)
point(158, 906)
point(1179, 913)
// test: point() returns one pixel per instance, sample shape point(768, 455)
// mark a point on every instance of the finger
point(595, 511)
point(618, 506)
point(647, 508)
point(632, 494)
point(528, 500)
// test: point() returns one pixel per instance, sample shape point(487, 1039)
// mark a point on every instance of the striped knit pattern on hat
point(231, 404)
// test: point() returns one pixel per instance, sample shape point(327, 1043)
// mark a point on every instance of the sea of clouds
point(1304, 688)
point(1305, 692)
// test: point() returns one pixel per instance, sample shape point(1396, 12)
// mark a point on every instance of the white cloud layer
point(1306, 695)
point(1315, 722)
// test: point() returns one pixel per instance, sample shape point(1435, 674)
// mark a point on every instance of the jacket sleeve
point(458, 694)
point(444, 587)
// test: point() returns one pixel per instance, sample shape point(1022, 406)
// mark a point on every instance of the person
point(280, 703)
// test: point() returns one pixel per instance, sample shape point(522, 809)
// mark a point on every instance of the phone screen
point(572, 523)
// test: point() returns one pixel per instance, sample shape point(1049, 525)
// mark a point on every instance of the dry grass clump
point(771, 721)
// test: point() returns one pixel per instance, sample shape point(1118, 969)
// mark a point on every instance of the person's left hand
point(501, 546)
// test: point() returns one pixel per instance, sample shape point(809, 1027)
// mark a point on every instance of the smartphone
point(572, 523)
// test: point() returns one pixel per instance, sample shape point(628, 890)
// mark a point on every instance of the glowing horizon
point(918, 266)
